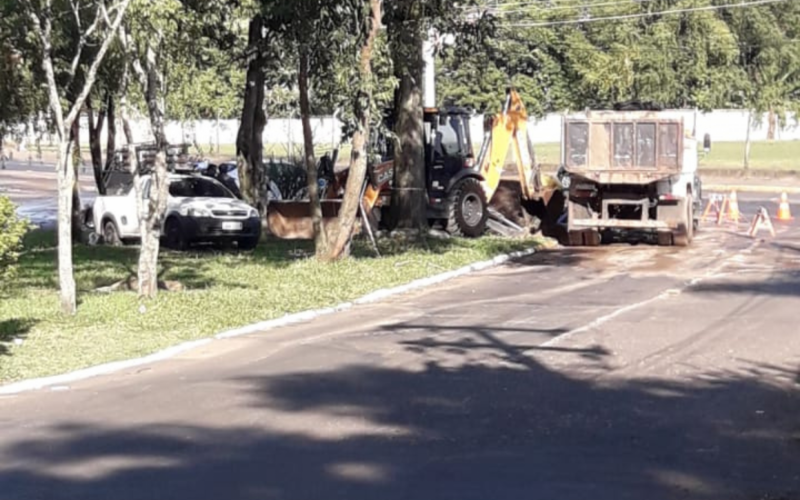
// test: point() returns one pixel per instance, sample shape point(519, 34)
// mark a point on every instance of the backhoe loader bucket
point(547, 209)
point(291, 220)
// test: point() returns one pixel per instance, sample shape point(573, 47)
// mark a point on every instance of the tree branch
point(84, 37)
point(122, 6)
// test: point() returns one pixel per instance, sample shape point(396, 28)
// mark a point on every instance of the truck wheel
point(685, 233)
point(111, 234)
point(592, 238)
point(575, 238)
point(467, 209)
point(173, 235)
point(664, 239)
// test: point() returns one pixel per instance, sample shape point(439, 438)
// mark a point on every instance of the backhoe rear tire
point(467, 209)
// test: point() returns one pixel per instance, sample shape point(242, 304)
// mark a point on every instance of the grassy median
point(223, 291)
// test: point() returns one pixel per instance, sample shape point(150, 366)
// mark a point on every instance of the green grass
point(783, 155)
point(224, 290)
point(723, 155)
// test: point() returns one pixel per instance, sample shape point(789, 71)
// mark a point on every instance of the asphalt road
point(33, 187)
point(625, 372)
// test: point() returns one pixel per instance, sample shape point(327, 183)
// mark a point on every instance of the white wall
point(723, 125)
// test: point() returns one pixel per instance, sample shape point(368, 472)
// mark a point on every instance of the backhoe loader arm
point(509, 131)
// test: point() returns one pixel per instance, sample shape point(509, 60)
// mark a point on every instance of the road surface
point(625, 372)
point(33, 187)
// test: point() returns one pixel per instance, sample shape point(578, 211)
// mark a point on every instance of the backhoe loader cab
point(453, 181)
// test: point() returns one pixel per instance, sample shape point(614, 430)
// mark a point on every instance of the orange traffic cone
point(784, 209)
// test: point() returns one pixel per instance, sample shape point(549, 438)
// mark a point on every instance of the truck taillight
point(667, 197)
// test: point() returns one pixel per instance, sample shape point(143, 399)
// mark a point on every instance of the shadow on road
point(785, 284)
point(434, 431)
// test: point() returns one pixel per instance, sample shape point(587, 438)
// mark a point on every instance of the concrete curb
point(744, 188)
point(291, 319)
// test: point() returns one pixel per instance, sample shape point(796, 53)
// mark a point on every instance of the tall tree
point(315, 32)
point(107, 20)
point(362, 104)
point(250, 141)
point(406, 25)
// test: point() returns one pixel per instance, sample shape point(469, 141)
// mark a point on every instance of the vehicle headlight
point(253, 213)
point(198, 212)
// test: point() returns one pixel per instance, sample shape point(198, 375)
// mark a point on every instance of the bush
point(12, 230)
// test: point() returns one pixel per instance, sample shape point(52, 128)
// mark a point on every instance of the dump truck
point(630, 171)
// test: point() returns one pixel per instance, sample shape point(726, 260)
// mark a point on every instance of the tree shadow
point(786, 284)
point(13, 329)
point(427, 430)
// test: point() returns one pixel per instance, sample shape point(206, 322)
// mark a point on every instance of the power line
point(639, 15)
point(585, 5)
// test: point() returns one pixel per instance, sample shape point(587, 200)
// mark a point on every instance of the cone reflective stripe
point(784, 209)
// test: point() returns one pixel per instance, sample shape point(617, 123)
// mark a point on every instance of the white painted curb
point(291, 319)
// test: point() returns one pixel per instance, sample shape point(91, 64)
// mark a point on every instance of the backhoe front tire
point(468, 209)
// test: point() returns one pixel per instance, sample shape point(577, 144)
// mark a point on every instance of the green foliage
point(20, 70)
point(745, 57)
point(12, 232)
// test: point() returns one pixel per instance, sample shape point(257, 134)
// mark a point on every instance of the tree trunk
point(111, 133)
point(94, 146)
point(151, 210)
point(772, 124)
point(125, 117)
point(320, 236)
point(250, 139)
point(77, 160)
point(408, 196)
point(66, 179)
point(747, 140)
point(358, 159)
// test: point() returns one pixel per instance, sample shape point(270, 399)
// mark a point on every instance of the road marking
point(672, 292)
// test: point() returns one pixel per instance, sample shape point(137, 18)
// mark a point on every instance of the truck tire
point(248, 244)
point(467, 207)
point(111, 234)
point(664, 238)
point(575, 238)
point(685, 233)
point(592, 238)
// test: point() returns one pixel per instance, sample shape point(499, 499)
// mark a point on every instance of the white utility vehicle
point(199, 210)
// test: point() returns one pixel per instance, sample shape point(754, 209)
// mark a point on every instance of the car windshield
point(197, 187)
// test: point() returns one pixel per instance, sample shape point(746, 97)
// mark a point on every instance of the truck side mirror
point(707, 143)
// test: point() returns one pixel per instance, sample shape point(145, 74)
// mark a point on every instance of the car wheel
point(248, 244)
point(111, 234)
point(174, 238)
